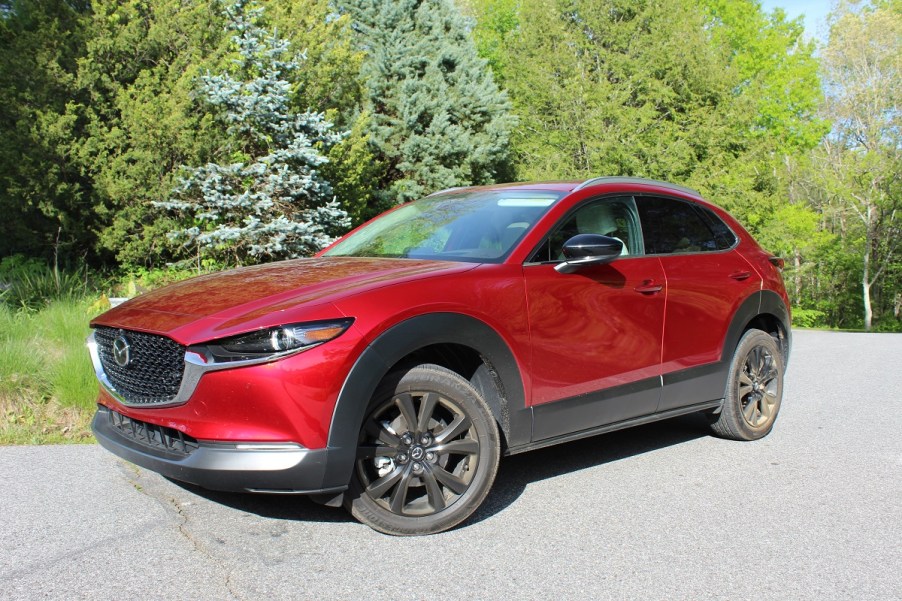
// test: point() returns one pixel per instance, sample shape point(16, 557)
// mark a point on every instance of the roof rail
point(634, 180)
point(446, 190)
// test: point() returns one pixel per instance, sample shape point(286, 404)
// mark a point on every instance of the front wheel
point(754, 389)
point(427, 453)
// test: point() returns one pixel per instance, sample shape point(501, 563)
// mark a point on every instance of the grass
point(47, 385)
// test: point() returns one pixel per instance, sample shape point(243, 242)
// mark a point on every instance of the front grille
point(156, 437)
point(154, 371)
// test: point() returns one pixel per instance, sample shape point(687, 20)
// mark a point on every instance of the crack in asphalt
point(173, 505)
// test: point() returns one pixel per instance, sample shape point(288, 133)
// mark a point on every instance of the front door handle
point(648, 287)
point(741, 275)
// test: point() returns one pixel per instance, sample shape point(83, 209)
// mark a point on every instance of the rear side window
point(723, 235)
point(674, 226)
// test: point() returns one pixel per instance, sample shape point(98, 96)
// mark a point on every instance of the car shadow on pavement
point(518, 471)
point(274, 506)
point(514, 474)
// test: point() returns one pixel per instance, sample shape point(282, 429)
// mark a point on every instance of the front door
point(596, 333)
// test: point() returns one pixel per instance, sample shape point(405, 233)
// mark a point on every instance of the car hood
point(228, 302)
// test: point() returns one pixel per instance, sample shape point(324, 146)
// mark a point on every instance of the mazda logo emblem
point(122, 351)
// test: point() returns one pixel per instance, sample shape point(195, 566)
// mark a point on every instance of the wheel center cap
point(417, 453)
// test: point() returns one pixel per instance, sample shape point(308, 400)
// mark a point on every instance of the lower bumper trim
point(232, 467)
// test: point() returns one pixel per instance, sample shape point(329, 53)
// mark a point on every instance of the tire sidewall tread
point(452, 385)
point(730, 423)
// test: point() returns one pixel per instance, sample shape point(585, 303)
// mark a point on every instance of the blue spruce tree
point(438, 118)
point(269, 200)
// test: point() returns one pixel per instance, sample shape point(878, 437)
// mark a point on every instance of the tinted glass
point(723, 235)
point(614, 217)
point(481, 226)
point(674, 226)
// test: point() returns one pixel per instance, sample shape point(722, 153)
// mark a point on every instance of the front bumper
point(223, 466)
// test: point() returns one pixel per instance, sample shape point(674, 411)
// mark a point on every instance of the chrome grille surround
point(153, 375)
point(195, 361)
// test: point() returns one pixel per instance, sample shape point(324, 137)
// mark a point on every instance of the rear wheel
point(427, 453)
point(754, 389)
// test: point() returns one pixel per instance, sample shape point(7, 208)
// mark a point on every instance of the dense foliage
point(269, 200)
point(438, 119)
point(110, 108)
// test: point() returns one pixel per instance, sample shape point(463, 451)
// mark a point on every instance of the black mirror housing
point(584, 250)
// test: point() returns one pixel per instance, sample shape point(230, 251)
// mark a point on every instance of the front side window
point(479, 226)
point(674, 226)
point(613, 217)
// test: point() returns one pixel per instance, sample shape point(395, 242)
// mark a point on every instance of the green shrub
point(807, 318)
point(31, 284)
point(888, 324)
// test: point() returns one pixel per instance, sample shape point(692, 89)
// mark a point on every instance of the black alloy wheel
point(427, 453)
point(754, 389)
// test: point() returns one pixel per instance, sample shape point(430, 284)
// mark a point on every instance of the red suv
point(391, 371)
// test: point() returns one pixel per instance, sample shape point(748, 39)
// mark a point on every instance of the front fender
point(392, 346)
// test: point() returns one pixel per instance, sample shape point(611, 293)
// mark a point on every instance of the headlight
point(275, 342)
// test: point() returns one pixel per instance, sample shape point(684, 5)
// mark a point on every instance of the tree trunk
point(866, 287)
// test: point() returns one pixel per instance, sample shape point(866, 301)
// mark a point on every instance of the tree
point(437, 118)
point(860, 161)
point(270, 201)
point(495, 20)
point(617, 87)
point(44, 197)
point(329, 83)
point(139, 119)
point(777, 77)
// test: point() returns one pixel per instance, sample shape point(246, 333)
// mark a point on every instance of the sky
point(815, 12)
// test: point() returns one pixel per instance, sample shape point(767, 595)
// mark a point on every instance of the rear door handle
point(648, 287)
point(741, 275)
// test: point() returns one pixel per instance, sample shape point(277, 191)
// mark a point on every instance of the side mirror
point(588, 249)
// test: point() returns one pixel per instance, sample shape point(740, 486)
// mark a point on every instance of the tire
point(754, 389)
point(427, 453)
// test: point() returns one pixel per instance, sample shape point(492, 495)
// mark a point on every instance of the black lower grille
point(151, 373)
point(156, 437)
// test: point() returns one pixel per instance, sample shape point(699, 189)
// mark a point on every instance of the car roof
point(574, 185)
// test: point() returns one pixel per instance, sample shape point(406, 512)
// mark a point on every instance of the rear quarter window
point(671, 226)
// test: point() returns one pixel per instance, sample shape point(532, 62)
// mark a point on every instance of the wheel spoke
point(770, 372)
point(749, 411)
point(457, 485)
point(399, 495)
point(744, 390)
point(377, 489)
point(433, 490)
point(378, 432)
point(466, 446)
point(404, 403)
point(755, 361)
point(452, 430)
point(427, 406)
point(370, 451)
point(768, 403)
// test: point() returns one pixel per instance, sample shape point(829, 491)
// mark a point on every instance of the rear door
point(706, 282)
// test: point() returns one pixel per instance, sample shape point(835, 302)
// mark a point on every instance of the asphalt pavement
point(813, 511)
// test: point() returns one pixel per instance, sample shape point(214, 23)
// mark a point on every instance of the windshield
point(480, 226)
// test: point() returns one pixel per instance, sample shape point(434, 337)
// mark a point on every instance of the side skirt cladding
point(406, 338)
